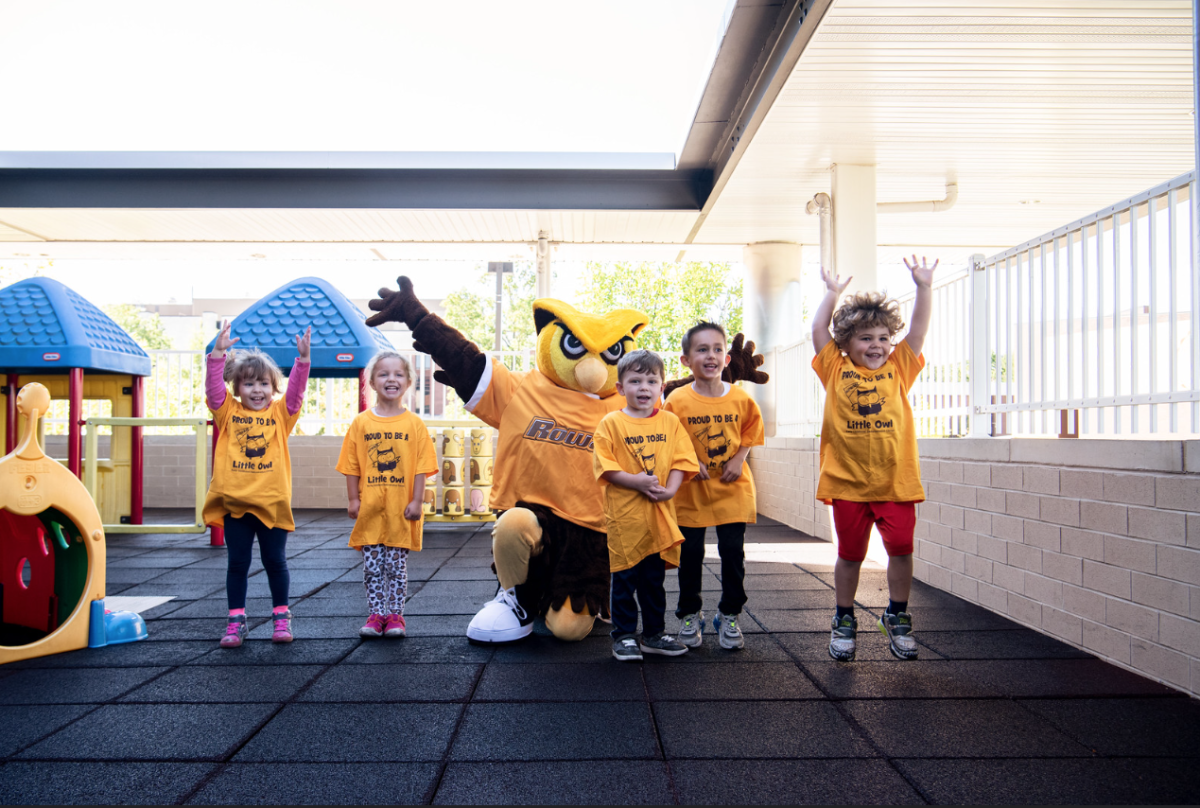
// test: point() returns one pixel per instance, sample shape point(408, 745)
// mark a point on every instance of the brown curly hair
point(866, 310)
point(251, 364)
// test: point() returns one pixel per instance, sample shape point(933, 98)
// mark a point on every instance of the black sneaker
point(663, 644)
point(626, 650)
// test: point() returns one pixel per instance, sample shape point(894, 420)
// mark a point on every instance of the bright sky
point(372, 75)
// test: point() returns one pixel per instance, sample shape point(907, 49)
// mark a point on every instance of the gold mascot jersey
point(544, 455)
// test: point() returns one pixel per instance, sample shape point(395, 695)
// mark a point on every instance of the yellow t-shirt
point(719, 427)
point(544, 454)
point(252, 470)
point(868, 439)
point(636, 526)
point(387, 455)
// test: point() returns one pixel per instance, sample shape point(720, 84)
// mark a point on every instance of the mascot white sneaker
point(501, 620)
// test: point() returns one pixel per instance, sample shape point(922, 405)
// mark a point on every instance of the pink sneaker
point(234, 632)
point(373, 628)
point(283, 628)
point(395, 626)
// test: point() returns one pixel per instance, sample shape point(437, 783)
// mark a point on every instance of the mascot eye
point(571, 346)
point(614, 354)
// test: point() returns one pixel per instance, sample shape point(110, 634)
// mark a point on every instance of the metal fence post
point(980, 367)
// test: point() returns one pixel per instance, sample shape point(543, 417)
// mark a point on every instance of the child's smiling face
point(706, 356)
point(870, 347)
point(255, 393)
point(642, 390)
point(389, 380)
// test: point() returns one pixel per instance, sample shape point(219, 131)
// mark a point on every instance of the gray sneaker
point(898, 629)
point(626, 650)
point(728, 633)
point(842, 642)
point(663, 644)
point(691, 630)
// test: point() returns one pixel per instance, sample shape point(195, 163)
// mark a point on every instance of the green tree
point(146, 329)
point(674, 297)
point(473, 311)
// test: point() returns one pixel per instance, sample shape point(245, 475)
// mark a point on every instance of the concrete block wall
point(1096, 542)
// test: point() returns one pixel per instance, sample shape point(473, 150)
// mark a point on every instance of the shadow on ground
point(991, 712)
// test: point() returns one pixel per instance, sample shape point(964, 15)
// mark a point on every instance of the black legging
point(730, 545)
point(272, 549)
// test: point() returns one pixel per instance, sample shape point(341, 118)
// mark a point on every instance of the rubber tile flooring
point(990, 713)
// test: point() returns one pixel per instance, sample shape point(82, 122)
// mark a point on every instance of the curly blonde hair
point(379, 357)
point(251, 364)
point(866, 310)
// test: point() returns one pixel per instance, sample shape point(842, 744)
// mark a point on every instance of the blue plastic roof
point(342, 344)
point(45, 327)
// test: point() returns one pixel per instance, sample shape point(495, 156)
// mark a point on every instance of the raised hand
point(832, 282)
point(744, 363)
point(402, 306)
point(304, 344)
point(922, 274)
point(224, 343)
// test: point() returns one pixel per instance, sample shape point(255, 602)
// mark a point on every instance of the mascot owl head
point(580, 351)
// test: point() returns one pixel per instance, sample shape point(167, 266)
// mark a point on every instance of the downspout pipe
point(932, 206)
point(822, 205)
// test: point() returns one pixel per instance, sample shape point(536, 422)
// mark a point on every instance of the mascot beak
point(591, 374)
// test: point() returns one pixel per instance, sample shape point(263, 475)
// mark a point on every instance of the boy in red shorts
point(870, 472)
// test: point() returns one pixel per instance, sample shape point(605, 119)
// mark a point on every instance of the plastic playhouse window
point(43, 575)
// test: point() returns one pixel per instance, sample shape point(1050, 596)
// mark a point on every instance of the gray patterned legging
point(385, 574)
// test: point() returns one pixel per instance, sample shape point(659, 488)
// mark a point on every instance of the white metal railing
point(175, 389)
point(795, 389)
point(941, 399)
point(1097, 318)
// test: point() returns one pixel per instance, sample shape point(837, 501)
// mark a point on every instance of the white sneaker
point(501, 620)
point(691, 628)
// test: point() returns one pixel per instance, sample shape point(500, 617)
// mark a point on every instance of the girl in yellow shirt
point(386, 457)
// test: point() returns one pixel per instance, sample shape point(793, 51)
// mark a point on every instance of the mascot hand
point(744, 363)
point(397, 307)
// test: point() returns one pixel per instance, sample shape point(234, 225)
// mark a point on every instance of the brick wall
point(1096, 542)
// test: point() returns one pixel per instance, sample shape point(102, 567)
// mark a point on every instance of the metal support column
point(980, 359)
point(545, 276)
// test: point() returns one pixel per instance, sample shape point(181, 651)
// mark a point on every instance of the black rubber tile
point(474, 592)
point(592, 782)
point(1018, 644)
point(133, 575)
point(578, 731)
point(348, 589)
point(300, 577)
point(305, 627)
point(456, 561)
point(214, 608)
point(588, 681)
point(875, 595)
point(710, 588)
point(448, 573)
point(154, 732)
point(128, 655)
point(794, 599)
point(948, 727)
point(193, 591)
point(1127, 727)
point(541, 648)
point(872, 647)
point(768, 583)
point(760, 647)
point(757, 729)
point(99, 783)
point(761, 567)
point(72, 685)
point(720, 682)
point(198, 629)
point(419, 650)
point(422, 604)
point(776, 620)
point(319, 784)
point(1049, 782)
point(21, 726)
point(163, 561)
point(964, 618)
point(438, 625)
point(1069, 677)
point(394, 683)
point(265, 652)
point(791, 782)
point(902, 679)
point(333, 607)
point(190, 576)
point(225, 684)
point(348, 733)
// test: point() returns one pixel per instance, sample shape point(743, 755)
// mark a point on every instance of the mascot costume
point(549, 548)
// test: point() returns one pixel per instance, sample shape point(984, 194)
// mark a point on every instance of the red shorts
point(852, 522)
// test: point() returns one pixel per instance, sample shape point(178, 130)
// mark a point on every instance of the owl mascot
point(549, 548)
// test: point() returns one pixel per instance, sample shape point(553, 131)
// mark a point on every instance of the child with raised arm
point(251, 489)
point(723, 422)
point(641, 457)
point(386, 457)
point(870, 471)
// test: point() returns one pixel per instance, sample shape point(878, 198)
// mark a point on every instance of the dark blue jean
point(272, 549)
point(645, 580)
